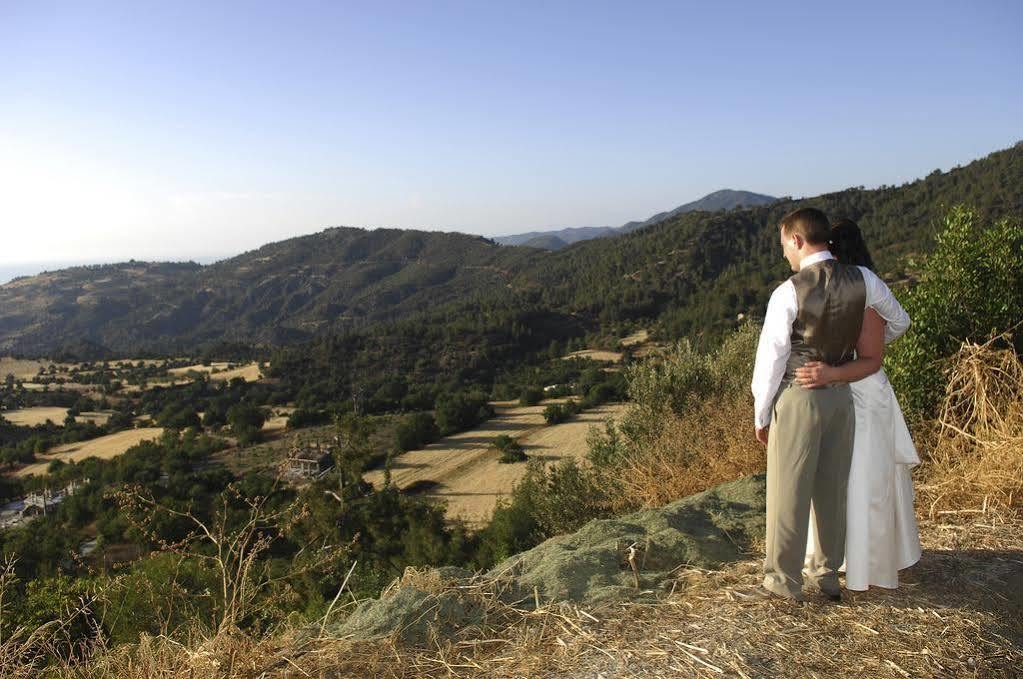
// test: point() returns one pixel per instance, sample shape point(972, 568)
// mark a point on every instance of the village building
point(308, 460)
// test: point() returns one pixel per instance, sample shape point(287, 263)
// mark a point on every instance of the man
point(816, 315)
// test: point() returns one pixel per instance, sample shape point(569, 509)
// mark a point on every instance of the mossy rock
point(414, 611)
point(705, 530)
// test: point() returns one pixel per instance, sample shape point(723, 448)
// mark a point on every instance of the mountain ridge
point(723, 199)
point(690, 272)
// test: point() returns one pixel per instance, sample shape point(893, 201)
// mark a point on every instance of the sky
point(197, 130)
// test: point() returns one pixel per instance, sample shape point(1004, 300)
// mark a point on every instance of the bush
point(461, 411)
point(530, 396)
point(971, 288)
point(690, 429)
point(683, 377)
point(307, 417)
point(555, 413)
point(246, 422)
point(511, 450)
point(548, 501)
point(416, 431)
point(178, 417)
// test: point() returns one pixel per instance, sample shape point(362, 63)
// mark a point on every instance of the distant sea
point(10, 271)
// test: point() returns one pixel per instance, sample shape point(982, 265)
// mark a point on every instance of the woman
point(881, 532)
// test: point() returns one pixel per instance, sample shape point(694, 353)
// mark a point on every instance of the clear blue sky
point(188, 129)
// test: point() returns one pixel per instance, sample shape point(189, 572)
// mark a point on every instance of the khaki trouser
point(809, 450)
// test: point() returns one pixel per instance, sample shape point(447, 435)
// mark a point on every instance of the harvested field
point(278, 419)
point(463, 470)
point(219, 371)
point(64, 386)
point(104, 447)
point(595, 355)
point(30, 417)
point(21, 369)
point(100, 417)
point(638, 337)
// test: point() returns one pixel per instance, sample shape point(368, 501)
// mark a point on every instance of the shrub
point(971, 288)
point(511, 450)
point(416, 431)
point(246, 422)
point(690, 428)
point(460, 411)
point(530, 396)
point(307, 417)
point(555, 413)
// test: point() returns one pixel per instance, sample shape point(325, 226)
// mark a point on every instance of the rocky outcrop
point(590, 566)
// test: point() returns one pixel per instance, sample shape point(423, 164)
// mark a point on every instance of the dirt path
point(463, 470)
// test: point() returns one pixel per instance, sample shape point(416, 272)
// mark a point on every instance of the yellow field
point(66, 386)
point(466, 469)
point(218, 371)
point(104, 447)
point(278, 419)
point(595, 355)
point(21, 369)
point(638, 337)
point(30, 417)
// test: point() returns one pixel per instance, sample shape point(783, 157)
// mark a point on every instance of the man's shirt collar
point(814, 258)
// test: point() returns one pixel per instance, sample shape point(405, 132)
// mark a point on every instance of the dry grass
point(638, 337)
point(957, 613)
point(23, 369)
point(30, 417)
point(973, 454)
point(953, 616)
point(221, 371)
point(103, 447)
point(595, 355)
point(691, 453)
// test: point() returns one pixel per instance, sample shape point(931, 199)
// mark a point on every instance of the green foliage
point(547, 501)
point(560, 412)
point(530, 396)
point(307, 417)
point(555, 413)
point(461, 411)
point(674, 383)
point(970, 288)
point(61, 600)
point(415, 431)
point(178, 417)
point(684, 377)
point(511, 450)
point(246, 422)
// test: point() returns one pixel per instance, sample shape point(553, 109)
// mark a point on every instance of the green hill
point(694, 271)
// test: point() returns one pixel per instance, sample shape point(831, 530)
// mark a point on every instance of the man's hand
point(762, 434)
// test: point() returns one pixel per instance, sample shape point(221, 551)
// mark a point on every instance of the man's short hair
point(808, 222)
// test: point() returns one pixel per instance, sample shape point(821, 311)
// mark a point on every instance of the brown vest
point(832, 298)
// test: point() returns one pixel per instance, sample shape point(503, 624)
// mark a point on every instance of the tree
point(246, 422)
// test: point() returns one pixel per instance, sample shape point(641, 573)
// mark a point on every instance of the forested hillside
point(695, 270)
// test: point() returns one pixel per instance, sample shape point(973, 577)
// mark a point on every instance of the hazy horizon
point(194, 130)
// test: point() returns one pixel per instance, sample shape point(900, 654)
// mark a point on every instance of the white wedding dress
point(881, 532)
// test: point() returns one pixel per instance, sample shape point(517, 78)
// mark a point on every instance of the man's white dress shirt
point(776, 336)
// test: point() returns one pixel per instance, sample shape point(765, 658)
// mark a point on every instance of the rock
point(589, 566)
point(414, 607)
